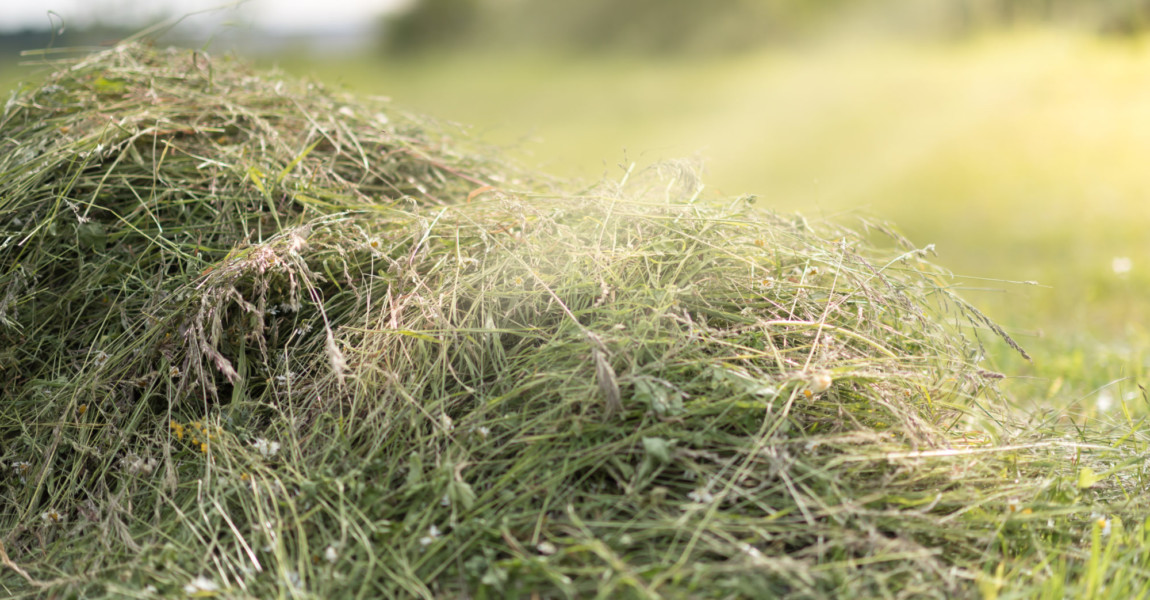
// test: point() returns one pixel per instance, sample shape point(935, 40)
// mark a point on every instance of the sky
point(285, 16)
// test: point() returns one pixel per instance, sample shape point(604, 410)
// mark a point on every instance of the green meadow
point(1018, 155)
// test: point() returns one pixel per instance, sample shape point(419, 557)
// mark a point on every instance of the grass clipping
point(263, 340)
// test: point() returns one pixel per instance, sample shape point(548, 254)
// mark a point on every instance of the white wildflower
point(52, 517)
point(330, 554)
point(433, 534)
point(100, 358)
point(1102, 522)
point(546, 548)
point(22, 468)
point(483, 431)
point(265, 448)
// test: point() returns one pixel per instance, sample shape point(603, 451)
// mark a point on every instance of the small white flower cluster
point(702, 496)
point(100, 358)
point(285, 378)
point(433, 534)
point(22, 468)
point(134, 464)
point(265, 448)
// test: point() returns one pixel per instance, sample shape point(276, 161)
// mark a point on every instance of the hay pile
point(260, 339)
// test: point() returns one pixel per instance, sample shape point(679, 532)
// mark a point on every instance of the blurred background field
point(1010, 134)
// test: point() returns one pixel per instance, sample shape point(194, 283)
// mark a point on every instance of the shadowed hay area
point(261, 339)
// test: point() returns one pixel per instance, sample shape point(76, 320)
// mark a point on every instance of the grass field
point(1018, 157)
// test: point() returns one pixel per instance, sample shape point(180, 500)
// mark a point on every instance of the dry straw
point(260, 339)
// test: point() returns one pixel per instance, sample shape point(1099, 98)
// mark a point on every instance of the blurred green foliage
point(431, 24)
point(678, 27)
point(640, 26)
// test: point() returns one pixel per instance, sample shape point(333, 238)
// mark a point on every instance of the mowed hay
point(271, 341)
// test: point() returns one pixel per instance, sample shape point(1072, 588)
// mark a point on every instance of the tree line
point(691, 26)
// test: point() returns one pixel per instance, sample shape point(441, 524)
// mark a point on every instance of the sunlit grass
point(1019, 156)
